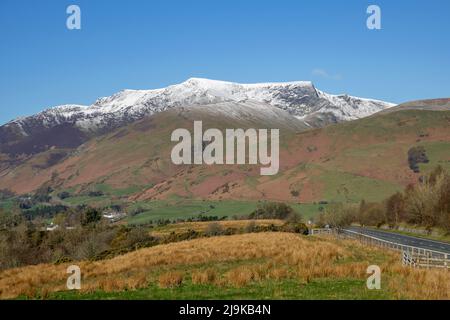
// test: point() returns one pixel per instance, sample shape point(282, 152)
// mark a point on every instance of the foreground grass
point(289, 289)
point(246, 266)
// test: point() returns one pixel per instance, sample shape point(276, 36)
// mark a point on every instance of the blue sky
point(143, 44)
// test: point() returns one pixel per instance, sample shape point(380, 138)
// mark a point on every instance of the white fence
point(320, 231)
point(411, 256)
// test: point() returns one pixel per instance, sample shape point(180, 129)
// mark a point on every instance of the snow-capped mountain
point(300, 99)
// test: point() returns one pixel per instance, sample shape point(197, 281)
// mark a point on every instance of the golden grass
point(207, 276)
point(203, 226)
point(236, 260)
point(170, 280)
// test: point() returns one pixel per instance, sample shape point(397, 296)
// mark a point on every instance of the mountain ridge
point(299, 98)
point(362, 159)
point(204, 91)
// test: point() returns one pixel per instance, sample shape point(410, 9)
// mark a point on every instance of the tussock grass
point(233, 261)
point(208, 276)
point(170, 280)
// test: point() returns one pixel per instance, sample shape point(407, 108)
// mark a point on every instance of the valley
point(112, 195)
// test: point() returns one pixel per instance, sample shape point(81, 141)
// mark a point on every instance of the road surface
point(404, 240)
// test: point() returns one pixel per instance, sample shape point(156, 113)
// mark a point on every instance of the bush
point(272, 210)
point(64, 195)
point(300, 228)
point(395, 209)
point(90, 216)
point(339, 215)
point(95, 193)
point(295, 193)
point(371, 214)
point(417, 155)
point(44, 211)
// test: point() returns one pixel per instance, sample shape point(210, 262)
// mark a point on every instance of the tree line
point(425, 204)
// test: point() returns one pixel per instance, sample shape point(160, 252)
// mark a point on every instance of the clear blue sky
point(143, 44)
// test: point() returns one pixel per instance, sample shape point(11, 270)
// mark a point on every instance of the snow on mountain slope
point(248, 114)
point(300, 99)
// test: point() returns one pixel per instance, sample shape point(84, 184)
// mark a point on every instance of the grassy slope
point(247, 266)
point(364, 159)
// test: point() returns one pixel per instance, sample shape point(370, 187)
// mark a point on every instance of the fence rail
point(411, 256)
point(320, 231)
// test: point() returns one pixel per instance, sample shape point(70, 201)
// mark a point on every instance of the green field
point(349, 188)
point(7, 204)
point(173, 209)
point(290, 289)
point(184, 209)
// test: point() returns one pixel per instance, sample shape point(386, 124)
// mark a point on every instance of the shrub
point(371, 214)
point(63, 195)
point(417, 155)
point(339, 215)
point(90, 216)
point(300, 228)
point(395, 209)
point(272, 210)
point(45, 211)
point(295, 193)
point(95, 193)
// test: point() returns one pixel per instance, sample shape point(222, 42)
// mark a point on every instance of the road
point(404, 240)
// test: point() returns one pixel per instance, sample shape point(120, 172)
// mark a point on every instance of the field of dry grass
point(232, 261)
point(203, 226)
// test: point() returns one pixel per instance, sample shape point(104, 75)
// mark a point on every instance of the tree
point(272, 210)
point(90, 216)
point(340, 215)
point(417, 155)
point(63, 195)
point(395, 209)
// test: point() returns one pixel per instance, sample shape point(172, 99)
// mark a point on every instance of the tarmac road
point(404, 240)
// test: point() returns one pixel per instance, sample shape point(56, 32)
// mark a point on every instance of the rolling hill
point(350, 161)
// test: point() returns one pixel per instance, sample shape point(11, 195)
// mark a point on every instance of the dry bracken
point(249, 257)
